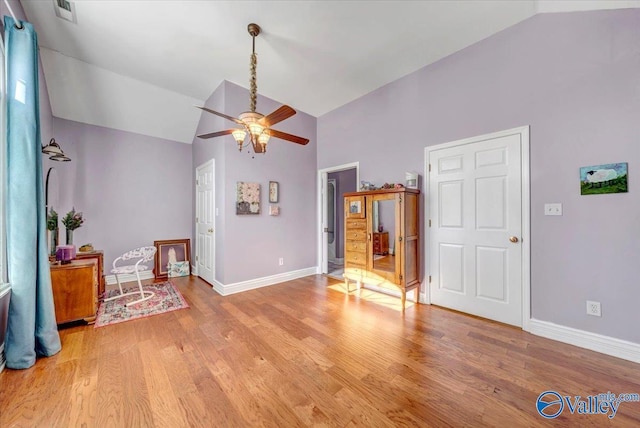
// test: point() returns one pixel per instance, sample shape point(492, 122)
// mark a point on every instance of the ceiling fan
point(257, 125)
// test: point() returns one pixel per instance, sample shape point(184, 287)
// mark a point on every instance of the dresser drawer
point(360, 246)
point(357, 224)
point(358, 258)
point(356, 235)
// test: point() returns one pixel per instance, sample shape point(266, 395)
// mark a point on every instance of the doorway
point(205, 221)
point(331, 222)
point(332, 184)
point(478, 222)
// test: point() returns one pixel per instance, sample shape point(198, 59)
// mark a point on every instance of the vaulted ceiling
point(141, 66)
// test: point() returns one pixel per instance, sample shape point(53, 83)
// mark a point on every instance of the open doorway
point(334, 182)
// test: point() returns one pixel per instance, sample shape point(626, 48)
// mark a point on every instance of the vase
point(53, 242)
point(69, 237)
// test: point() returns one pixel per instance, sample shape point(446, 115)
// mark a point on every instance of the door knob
point(513, 239)
point(210, 230)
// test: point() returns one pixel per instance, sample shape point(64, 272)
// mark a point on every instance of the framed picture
point(248, 198)
point(273, 192)
point(179, 269)
point(274, 210)
point(355, 207)
point(606, 178)
point(170, 253)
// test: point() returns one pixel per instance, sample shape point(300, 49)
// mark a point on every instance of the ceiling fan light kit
point(256, 125)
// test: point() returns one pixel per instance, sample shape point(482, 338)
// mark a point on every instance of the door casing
point(523, 131)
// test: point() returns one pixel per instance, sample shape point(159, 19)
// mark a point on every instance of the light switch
point(552, 209)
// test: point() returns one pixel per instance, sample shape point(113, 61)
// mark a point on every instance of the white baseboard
point(227, 289)
point(111, 279)
point(604, 344)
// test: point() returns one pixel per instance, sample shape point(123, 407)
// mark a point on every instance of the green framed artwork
point(606, 178)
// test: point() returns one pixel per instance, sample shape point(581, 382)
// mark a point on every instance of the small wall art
point(248, 198)
point(606, 178)
point(274, 192)
point(274, 210)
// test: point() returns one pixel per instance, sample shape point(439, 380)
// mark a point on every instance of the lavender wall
point(205, 150)
point(573, 77)
point(345, 182)
point(132, 189)
point(252, 245)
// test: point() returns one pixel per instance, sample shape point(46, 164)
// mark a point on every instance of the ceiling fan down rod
point(254, 30)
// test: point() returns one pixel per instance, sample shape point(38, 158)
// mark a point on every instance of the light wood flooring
point(305, 353)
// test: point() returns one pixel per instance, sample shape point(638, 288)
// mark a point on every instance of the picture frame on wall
point(605, 178)
point(248, 198)
point(169, 253)
point(274, 192)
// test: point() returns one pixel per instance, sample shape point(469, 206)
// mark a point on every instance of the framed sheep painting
point(607, 178)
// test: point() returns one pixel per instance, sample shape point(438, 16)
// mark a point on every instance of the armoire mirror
point(52, 201)
point(383, 235)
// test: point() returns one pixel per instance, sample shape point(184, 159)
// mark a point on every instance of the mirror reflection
point(52, 202)
point(383, 235)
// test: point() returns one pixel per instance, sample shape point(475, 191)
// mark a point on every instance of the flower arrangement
point(52, 220)
point(72, 220)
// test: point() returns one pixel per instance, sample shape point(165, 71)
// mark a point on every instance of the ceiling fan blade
point(216, 134)
point(288, 137)
point(284, 112)
point(233, 119)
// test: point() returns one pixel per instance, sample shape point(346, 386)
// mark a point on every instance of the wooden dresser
point(388, 259)
point(75, 290)
point(99, 256)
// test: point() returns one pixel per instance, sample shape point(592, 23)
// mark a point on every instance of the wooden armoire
point(394, 215)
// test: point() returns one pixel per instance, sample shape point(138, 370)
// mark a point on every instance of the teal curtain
point(31, 329)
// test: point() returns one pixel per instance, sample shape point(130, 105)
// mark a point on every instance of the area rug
point(166, 299)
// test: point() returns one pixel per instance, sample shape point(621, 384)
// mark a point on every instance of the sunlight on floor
point(368, 295)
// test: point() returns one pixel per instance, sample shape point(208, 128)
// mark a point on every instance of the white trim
point(596, 342)
point(526, 213)
point(129, 277)
point(194, 270)
point(252, 284)
point(321, 184)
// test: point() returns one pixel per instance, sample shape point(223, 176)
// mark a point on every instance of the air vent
point(64, 5)
point(65, 10)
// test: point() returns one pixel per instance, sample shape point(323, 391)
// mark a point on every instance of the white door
point(205, 221)
point(475, 198)
point(331, 220)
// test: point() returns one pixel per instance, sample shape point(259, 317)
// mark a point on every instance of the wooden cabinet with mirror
point(382, 239)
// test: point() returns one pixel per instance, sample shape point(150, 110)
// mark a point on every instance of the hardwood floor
point(304, 353)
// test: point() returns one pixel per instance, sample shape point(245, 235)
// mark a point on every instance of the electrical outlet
point(593, 308)
point(281, 261)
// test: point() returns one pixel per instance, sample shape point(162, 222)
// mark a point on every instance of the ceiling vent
point(65, 10)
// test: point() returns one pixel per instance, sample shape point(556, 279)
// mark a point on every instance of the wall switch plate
point(553, 209)
point(281, 261)
point(593, 308)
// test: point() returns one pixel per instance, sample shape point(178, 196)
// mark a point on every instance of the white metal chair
point(142, 255)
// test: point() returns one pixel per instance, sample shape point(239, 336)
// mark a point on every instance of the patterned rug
point(166, 299)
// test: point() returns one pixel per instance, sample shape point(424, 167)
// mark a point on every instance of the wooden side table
point(381, 243)
point(75, 290)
